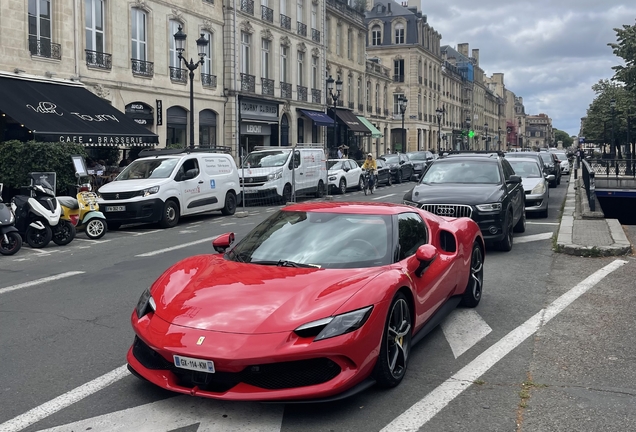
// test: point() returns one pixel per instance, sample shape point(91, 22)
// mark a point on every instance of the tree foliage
point(597, 127)
point(563, 136)
point(625, 48)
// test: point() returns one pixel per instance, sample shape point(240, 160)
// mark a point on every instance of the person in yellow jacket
point(372, 166)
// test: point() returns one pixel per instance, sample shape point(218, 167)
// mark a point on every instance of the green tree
point(560, 135)
point(625, 48)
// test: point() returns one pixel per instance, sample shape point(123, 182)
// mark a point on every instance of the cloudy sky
point(551, 51)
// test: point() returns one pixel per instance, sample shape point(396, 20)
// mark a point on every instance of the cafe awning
point(319, 118)
point(352, 122)
point(65, 111)
point(375, 133)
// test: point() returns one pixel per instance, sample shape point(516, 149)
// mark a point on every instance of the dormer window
point(399, 33)
point(376, 35)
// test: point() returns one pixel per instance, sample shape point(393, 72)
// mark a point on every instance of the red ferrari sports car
point(317, 302)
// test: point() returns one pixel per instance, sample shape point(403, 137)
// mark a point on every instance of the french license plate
point(115, 208)
point(194, 364)
point(251, 191)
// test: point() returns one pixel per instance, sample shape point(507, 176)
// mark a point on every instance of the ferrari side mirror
point(425, 254)
point(222, 242)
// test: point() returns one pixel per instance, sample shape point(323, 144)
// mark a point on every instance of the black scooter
point(10, 240)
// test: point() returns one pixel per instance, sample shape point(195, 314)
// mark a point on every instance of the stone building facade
point(539, 132)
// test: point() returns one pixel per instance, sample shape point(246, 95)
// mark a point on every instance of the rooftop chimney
point(476, 56)
point(389, 6)
point(462, 48)
point(416, 4)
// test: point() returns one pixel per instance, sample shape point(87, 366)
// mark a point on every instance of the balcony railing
point(247, 6)
point(267, 14)
point(346, 10)
point(285, 22)
point(315, 35)
point(369, 108)
point(248, 83)
point(45, 48)
point(340, 103)
point(386, 112)
point(351, 105)
point(98, 60)
point(419, 116)
point(267, 86)
point(316, 96)
point(419, 79)
point(360, 107)
point(398, 78)
point(178, 74)
point(208, 80)
point(143, 68)
point(285, 90)
point(302, 29)
point(302, 93)
point(378, 111)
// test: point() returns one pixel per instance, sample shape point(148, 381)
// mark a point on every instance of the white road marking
point(40, 251)
point(67, 399)
point(534, 237)
point(147, 232)
point(187, 231)
point(92, 241)
point(181, 246)
point(542, 223)
point(464, 328)
point(382, 197)
point(39, 281)
point(426, 408)
point(183, 411)
point(229, 223)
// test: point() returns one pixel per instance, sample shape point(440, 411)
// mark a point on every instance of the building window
point(376, 35)
point(338, 37)
point(314, 16)
point(368, 93)
point(40, 24)
point(385, 102)
point(350, 92)
point(95, 25)
point(139, 36)
point(361, 49)
point(301, 68)
point(328, 35)
point(396, 104)
point(398, 70)
point(265, 59)
point(399, 33)
point(245, 53)
point(207, 60)
point(349, 45)
point(299, 11)
point(314, 72)
point(174, 55)
point(360, 102)
point(283, 7)
point(283, 64)
point(377, 96)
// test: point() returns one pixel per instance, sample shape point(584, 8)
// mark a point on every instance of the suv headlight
point(275, 175)
point(492, 207)
point(150, 191)
point(145, 304)
point(538, 189)
point(335, 326)
point(410, 203)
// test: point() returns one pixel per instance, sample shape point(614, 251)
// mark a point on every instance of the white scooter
point(36, 215)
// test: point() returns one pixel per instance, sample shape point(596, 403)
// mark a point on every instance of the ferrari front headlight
point(338, 325)
point(145, 304)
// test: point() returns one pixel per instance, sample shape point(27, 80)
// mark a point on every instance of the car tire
point(395, 347)
point(287, 193)
point(169, 215)
point(558, 180)
point(520, 227)
point(506, 243)
point(11, 247)
point(230, 204)
point(63, 233)
point(320, 192)
point(472, 294)
point(95, 229)
point(361, 184)
point(389, 182)
point(342, 188)
point(38, 238)
point(398, 177)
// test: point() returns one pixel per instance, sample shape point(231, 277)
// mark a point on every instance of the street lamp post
point(499, 139)
point(202, 43)
point(402, 102)
point(467, 132)
point(486, 130)
point(334, 97)
point(628, 150)
point(612, 144)
point(440, 113)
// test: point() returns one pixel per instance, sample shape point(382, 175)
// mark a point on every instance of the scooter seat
point(68, 202)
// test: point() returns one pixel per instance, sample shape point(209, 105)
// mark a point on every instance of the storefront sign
point(256, 129)
point(140, 113)
point(258, 110)
point(159, 112)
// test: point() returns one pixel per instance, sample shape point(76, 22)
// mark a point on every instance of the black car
point(483, 187)
point(553, 164)
point(420, 160)
point(400, 165)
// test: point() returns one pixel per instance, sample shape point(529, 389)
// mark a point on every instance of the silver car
point(535, 185)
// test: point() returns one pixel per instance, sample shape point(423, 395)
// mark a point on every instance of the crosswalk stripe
point(533, 237)
point(464, 328)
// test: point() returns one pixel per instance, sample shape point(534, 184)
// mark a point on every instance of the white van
point(269, 174)
point(169, 184)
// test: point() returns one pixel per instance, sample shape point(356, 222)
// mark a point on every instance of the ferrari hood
point(207, 292)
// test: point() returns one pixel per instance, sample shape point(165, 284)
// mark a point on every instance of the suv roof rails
point(489, 153)
point(187, 150)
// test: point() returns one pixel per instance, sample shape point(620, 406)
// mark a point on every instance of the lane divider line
point(147, 232)
point(181, 246)
point(533, 237)
point(425, 409)
point(382, 197)
point(40, 281)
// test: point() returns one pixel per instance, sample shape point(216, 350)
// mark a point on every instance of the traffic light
point(471, 134)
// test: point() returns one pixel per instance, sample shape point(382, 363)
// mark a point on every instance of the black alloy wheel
point(11, 245)
point(230, 204)
point(38, 238)
point(63, 233)
point(506, 243)
point(170, 215)
point(396, 344)
point(389, 182)
point(520, 227)
point(472, 295)
point(320, 192)
point(287, 193)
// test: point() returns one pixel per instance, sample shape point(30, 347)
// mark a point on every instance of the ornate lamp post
point(440, 113)
point(612, 144)
point(499, 139)
point(402, 101)
point(334, 97)
point(202, 43)
point(467, 132)
point(486, 137)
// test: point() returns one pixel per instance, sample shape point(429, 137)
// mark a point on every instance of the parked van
point(164, 185)
point(270, 173)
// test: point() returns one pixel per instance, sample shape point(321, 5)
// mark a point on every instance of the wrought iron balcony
point(316, 95)
point(302, 93)
point(302, 29)
point(340, 103)
point(208, 80)
point(378, 111)
point(98, 60)
point(285, 22)
point(285, 90)
point(247, 6)
point(361, 108)
point(178, 74)
point(315, 35)
point(267, 86)
point(398, 78)
point(386, 112)
point(143, 68)
point(267, 14)
point(419, 79)
point(351, 105)
point(369, 108)
point(45, 48)
point(248, 83)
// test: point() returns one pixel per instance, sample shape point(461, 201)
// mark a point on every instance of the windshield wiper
point(286, 263)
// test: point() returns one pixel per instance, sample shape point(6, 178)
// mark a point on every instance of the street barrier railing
point(590, 188)
point(613, 167)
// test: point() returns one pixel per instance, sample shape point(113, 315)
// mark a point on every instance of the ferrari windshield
point(316, 239)
point(458, 171)
point(148, 168)
point(266, 159)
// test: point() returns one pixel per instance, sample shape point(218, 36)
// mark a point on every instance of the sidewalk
point(586, 233)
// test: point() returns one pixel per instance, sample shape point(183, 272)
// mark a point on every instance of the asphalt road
point(574, 372)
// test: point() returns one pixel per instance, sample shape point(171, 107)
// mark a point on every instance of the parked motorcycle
point(10, 240)
point(35, 215)
point(83, 212)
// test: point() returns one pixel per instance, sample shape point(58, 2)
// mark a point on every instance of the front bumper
point(272, 367)
point(536, 202)
point(491, 225)
point(260, 194)
point(145, 211)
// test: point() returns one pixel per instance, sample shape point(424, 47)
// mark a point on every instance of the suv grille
point(119, 195)
point(449, 210)
point(254, 181)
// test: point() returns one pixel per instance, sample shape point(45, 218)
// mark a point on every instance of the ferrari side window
point(412, 234)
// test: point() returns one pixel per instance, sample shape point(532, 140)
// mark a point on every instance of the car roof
point(350, 208)
point(527, 159)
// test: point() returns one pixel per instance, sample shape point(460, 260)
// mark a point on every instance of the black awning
point(352, 122)
point(68, 112)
